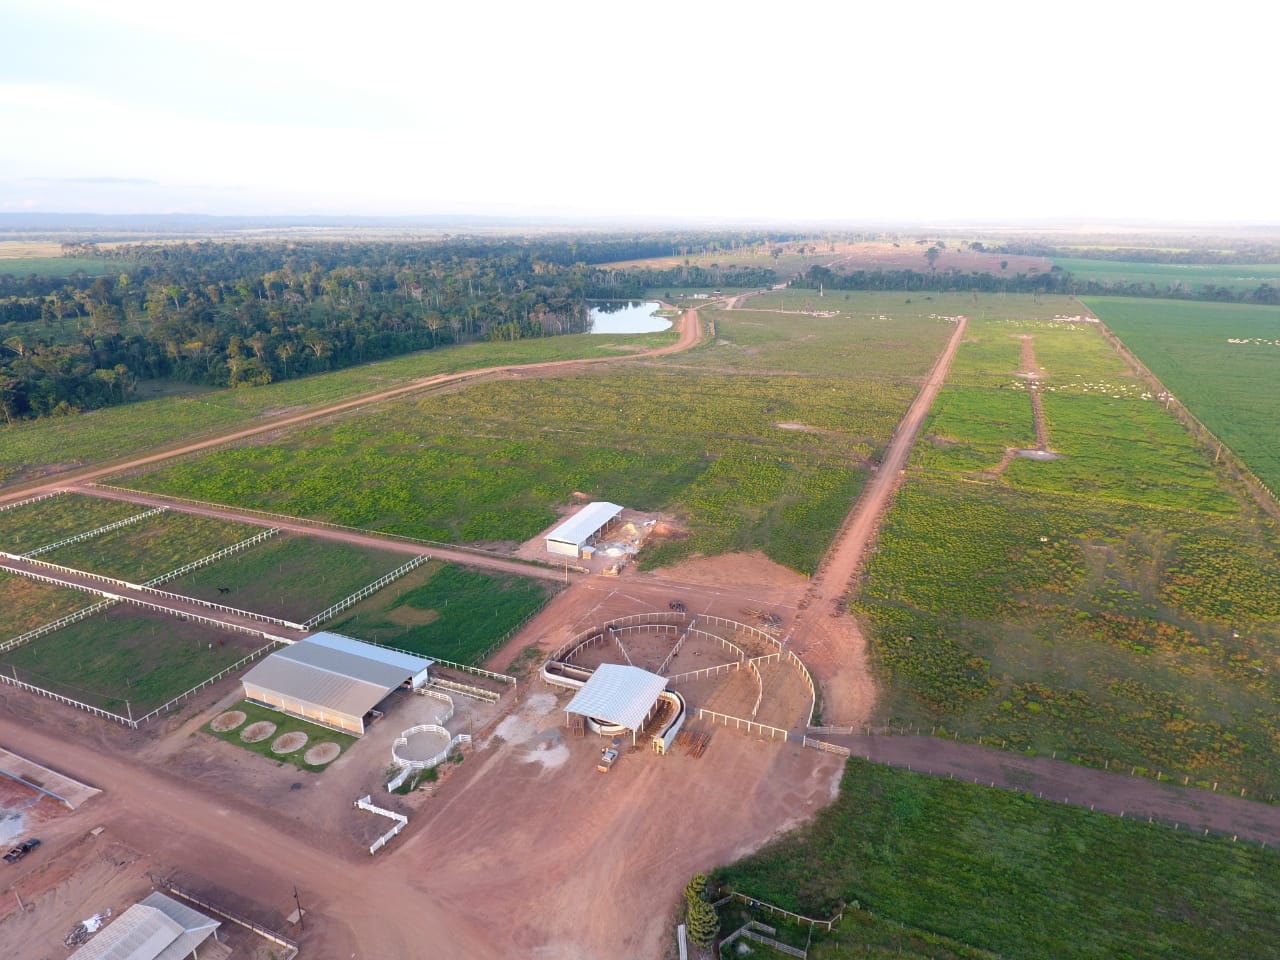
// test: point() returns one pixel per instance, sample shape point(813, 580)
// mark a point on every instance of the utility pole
point(301, 925)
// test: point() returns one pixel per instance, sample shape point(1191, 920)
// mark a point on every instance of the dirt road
point(690, 333)
point(825, 634)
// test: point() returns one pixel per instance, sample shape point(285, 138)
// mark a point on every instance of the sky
point(838, 112)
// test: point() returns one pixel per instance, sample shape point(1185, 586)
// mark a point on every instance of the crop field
point(147, 549)
point(1221, 360)
point(27, 448)
point(1118, 604)
point(1004, 872)
point(444, 610)
point(753, 462)
point(47, 521)
point(1189, 276)
point(288, 576)
point(27, 604)
point(127, 656)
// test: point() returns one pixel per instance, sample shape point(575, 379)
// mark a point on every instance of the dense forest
point(240, 314)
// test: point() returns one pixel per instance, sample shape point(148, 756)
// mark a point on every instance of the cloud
point(121, 181)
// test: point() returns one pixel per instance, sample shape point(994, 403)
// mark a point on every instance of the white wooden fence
point(467, 690)
point(66, 621)
point(738, 723)
point(364, 804)
point(675, 649)
point(211, 558)
point(165, 708)
point(90, 534)
point(23, 503)
point(704, 673)
point(410, 767)
point(366, 591)
point(826, 747)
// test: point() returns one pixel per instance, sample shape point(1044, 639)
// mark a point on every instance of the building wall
point(560, 548)
point(271, 698)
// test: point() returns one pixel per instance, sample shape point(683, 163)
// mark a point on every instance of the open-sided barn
point(334, 680)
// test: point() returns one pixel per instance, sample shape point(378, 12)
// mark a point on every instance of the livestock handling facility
point(569, 539)
point(334, 680)
point(617, 698)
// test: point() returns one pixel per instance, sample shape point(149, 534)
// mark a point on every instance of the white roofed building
point(157, 928)
point(568, 539)
point(334, 680)
point(619, 696)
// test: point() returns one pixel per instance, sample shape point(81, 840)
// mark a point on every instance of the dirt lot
point(910, 256)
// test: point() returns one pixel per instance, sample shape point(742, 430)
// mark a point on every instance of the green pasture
point(27, 604)
point(127, 659)
point(60, 266)
point(292, 577)
point(47, 521)
point(29, 448)
point(1117, 604)
point(1163, 276)
point(316, 735)
point(445, 611)
point(149, 548)
point(752, 462)
point(968, 869)
point(1233, 388)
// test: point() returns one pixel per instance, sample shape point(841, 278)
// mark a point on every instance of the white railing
point(808, 679)
point(467, 668)
point(826, 747)
point(70, 701)
point(211, 558)
point(364, 804)
point(739, 723)
point(437, 695)
point(90, 534)
point(69, 571)
point(165, 708)
point(410, 767)
point(705, 672)
point(224, 608)
point(23, 503)
point(467, 690)
point(684, 634)
point(66, 621)
point(366, 591)
point(618, 640)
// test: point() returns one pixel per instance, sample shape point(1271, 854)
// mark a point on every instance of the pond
point(627, 316)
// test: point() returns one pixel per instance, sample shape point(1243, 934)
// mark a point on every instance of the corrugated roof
point(585, 522)
point(618, 694)
point(154, 929)
point(335, 673)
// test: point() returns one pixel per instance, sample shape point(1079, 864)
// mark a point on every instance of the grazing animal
point(224, 589)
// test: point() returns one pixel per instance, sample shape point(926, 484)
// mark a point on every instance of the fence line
point(200, 686)
point(808, 679)
point(408, 767)
point(58, 624)
point(739, 723)
point(265, 932)
point(502, 640)
point(71, 571)
point(211, 558)
point(364, 804)
point(90, 534)
point(23, 503)
point(211, 605)
point(365, 591)
point(753, 902)
point(827, 747)
point(708, 671)
point(70, 701)
point(467, 690)
point(755, 710)
point(478, 671)
point(684, 634)
point(208, 621)
point(618, 640)
point(544, 568)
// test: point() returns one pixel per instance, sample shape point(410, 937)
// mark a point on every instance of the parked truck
point(21, 850)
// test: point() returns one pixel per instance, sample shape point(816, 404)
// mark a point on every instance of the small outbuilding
point(334, 680)
point(157, 928)
point(618, 697)
point(568, 539)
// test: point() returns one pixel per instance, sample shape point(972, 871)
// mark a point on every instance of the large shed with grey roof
point(568, 539)
point(157, 928)
point(334, 680)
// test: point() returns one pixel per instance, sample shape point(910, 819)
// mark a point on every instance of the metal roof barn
point(619, 694)
point(157, 928)
point(570, 537)
point(332, 679)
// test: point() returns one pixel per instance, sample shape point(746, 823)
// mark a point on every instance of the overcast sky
point(919, 110)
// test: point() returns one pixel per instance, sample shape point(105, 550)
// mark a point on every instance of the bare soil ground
point(910, 256)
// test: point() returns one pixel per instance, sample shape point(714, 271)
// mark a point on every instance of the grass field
point(127, 656)
point(291, 577)
point(490, 464)
point(151, 547)
point(1233, 388)
point(1119, 604)
point(60, 266)
point(443, 610)
point(1021, 877)
point(47, 521)
point(27, 604)
point(1189, 276)
point(27, 448)
point(316, 734)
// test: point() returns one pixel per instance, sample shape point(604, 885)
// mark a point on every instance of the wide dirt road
point(690, 333)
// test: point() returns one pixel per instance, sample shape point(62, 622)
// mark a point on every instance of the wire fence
point(165, 708)
point(211, 558)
